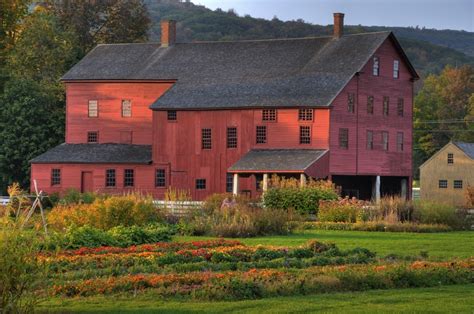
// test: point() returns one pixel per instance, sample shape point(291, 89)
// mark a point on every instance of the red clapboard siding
point(112, 127)
point(179, 143)
point(358, 159)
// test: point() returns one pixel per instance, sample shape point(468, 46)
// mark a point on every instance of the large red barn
point(214, 117)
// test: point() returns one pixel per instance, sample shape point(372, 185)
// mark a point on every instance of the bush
point(106, 213)
point(73, 196)
point(21, 274)
point(87, 236)
point(379, 226)
point(342, 210)
point(287, 194)
point(240, 219)
point(428, 212)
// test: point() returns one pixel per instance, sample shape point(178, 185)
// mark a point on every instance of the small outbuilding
point(447, 174)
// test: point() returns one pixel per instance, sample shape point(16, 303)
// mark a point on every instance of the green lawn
point(438, 245)
point(446, 299)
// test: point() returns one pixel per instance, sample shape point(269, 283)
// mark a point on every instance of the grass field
point(438, 245)
point(446, 299)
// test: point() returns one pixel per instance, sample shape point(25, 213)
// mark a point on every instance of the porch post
point(377, 189)
point(235, 184)
point(403, 190)
point(302, 180)
point(265, 182)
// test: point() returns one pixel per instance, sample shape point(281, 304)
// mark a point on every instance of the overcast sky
point(439, 14)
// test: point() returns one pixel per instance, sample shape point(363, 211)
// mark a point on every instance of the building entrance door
point(86, 182)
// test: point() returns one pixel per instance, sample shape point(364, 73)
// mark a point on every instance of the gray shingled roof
point(277, 160)
point(257, 73)
point(467, 148)
point(97, 154)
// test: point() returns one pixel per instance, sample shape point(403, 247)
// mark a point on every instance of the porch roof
point(277, 160)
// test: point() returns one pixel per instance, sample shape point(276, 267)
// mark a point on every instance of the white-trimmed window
point(396, 69)
point(457, 184)
point(126, 108)
point(376, 66)
point(55, 177)
point(93, 109)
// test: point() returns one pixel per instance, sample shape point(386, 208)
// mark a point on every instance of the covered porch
point(262, 163)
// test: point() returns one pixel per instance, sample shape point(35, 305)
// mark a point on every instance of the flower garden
point(228, 270)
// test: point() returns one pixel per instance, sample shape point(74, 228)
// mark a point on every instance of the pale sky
point(439, 14)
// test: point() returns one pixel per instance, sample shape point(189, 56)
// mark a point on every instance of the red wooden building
point(214, 117)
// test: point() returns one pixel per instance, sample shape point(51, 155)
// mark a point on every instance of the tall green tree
point(32, 107)
point(31, 121)
point(444, 111)
point(11, 14)
point(107, 21)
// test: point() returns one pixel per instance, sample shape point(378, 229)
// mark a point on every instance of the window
point(400, 141)
point(232, 137)
point(370, 140)
point(344, 138)
point(376, 66)
point(400, 107)
point(457, 184)
point(305, 135)
point(370, 104)
point(386, 101)
point(261, 134)
point(443, 184)
point(128, 178)
point(258, 182)
point(126, 108)
point(305, 115)
point(110, 178)
point(206, 139)
point(172, 115)
point(396, 68)
point(450, 158)
point(385, 140)
point(229, 183)
point(350, 102)
point(93, 109)
point(269, 115)
point(92, 137)
point(160, 179)
point(55, 177)
point(200, 184)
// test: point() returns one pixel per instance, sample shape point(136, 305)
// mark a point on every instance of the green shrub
point(428, 212)
point(21, 274)
point(379, 226)
point(304, 200)
point(343, 210)
point(87, 236)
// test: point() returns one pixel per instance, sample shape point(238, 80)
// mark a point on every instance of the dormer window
point(376, 66)
point(396, 69)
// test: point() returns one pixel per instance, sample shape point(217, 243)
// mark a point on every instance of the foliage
point(104, 212)
point(286, 194)
point(470, 196)
point(380, 226)
point(31, 121)
point(439, 213)
point(87, 236)
point(11, 13)
point(444, 111)
point(94, 22)
point(342, 210)
point(21, 272)
point(237, 218)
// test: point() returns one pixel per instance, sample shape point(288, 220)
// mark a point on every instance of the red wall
point(112, 127)
point(178, 143)
point(358, 159)
point(71, 174)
